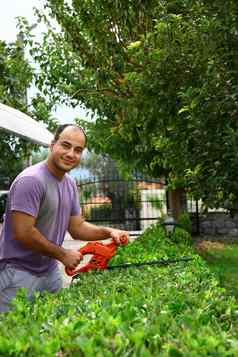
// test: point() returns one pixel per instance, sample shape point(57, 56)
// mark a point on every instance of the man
point(42, 205)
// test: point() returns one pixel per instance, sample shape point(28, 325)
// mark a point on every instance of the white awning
point(18, 123)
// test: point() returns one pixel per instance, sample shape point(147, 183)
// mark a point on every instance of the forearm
point(35, 241)
point(91, 232)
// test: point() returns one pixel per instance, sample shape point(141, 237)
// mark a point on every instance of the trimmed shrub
point(178, 310)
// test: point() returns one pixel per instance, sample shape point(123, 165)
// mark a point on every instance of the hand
point(71, 258)
point(119, 237)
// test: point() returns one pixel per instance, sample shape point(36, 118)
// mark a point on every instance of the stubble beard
point(62, 168)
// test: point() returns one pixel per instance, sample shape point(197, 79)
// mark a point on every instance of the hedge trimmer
point(102, 253)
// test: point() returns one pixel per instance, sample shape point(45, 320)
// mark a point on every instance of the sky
point(11, 9)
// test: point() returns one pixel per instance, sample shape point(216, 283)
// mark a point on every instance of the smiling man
point(42, 205)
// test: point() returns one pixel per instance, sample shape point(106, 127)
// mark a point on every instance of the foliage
point(185, 222)
point(181, 235)
point(222, 259)
point(41, 155)
point(179, 310)
point(99, 165)
point(153, 244)
point(161, 77)
point(16, 78)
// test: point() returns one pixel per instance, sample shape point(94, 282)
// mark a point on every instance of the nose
point(70, 152)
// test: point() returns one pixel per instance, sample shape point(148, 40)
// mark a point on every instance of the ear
point(51, 145)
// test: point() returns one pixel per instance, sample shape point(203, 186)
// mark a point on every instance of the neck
point(55, 171)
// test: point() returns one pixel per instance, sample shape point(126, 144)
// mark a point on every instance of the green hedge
point(179, 310)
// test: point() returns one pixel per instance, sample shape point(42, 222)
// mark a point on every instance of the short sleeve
point(75, 211)
point(26, 195)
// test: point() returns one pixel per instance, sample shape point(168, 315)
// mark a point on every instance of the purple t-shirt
point(52, 202)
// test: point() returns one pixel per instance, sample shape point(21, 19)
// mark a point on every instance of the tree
point(16, 77)
point(162, 80)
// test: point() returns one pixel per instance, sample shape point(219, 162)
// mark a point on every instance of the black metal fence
point(131, 204)
point(212, 221)
point(136, 203)
point(194, 209)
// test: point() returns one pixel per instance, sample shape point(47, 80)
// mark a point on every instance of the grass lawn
point(223, 260)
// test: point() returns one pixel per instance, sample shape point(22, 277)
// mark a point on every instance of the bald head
point(63, 127)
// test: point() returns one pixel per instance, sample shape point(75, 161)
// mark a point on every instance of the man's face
point(67, 150)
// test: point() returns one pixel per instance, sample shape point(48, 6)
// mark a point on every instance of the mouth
point(68, 163)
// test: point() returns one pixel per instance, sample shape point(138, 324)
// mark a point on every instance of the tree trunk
point(176, 201)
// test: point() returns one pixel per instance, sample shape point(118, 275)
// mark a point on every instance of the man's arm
point(25, 232)
point(80, 229)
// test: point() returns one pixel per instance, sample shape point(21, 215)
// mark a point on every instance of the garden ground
point(222, 258)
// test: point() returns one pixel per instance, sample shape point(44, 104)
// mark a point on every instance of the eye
point(65, 145)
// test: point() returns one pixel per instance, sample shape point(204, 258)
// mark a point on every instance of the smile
point(67, 162)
